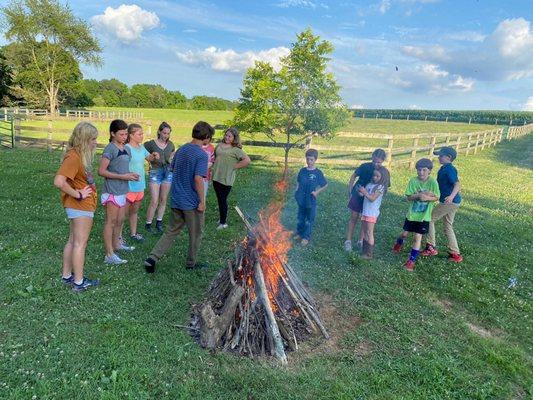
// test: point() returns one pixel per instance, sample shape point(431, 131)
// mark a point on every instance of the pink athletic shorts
point(132, 197)
point(369, 219)
point(118, 200)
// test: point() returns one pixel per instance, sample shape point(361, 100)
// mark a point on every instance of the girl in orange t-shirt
point(78, 196)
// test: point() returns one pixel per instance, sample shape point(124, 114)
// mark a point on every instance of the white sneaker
point(113, 259)
point(348, 245)
point(222, 226)
point(124, 247)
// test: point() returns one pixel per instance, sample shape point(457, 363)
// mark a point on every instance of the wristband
point(80, 196)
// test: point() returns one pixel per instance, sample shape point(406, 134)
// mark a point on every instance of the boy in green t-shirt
point(423, 191)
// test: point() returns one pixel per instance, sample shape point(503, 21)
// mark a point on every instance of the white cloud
point(528, 106)
point(430, 79)
point(232, 61)
point(506, 54)
point(384, 6)
point(127, 22)
point(296, 3)
point(466, 36)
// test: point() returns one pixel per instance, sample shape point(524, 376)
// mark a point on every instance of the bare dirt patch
point(484, 333)
point(338, 323)
point(445, 304)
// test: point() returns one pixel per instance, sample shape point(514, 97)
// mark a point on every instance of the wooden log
point(213, 326)
point(273, 329)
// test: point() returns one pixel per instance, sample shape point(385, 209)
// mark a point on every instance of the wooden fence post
point(432, 147)
point(390, 145)
point(49, 136)
point(149, 123)
point(448, 138)
point(483, 141)
point(17, 121)
point(477, 143)
point(412, 161)
point(468, 144)
point(457, 145)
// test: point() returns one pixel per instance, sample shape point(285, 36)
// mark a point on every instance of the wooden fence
point(27, 113)
point(402, 150)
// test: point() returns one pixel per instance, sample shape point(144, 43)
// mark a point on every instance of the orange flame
point(273, 243)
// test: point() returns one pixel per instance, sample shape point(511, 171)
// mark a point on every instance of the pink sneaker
point(409, 265)
point(455, 257)
point(429, 251)
point(397, 248)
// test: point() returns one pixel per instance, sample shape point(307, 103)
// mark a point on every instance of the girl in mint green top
point(229, 157)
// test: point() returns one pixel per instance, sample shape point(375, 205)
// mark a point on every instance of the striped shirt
point(190, 160)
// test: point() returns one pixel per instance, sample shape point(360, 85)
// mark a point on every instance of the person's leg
point(310, 221)
point(117, 228)
point(81, 228)
point(438, 212)
point(300, 225)
point(354, 217)
point(176, 223)
point(67, 253)
point(222, 192)
point(417, 241)
point(369, 232)
point(110, 221)
point(448, 219)
point(206, 188)
point(398, 245)
point(163, 197)
point(195, 224)
point(134, 216)
point(154, 201)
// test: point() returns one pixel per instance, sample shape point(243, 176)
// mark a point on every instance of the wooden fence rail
point(26, 113)
point(420, 145)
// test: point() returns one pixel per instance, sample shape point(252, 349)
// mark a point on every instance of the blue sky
point(388, 53)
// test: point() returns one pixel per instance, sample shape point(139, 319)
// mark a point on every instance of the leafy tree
point(6, 80)
point(299, 101)
point(53, 42)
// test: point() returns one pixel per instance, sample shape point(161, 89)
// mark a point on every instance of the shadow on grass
point(516, 152)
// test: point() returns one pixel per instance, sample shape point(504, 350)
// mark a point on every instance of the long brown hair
point(236, 137)
point(160, 129)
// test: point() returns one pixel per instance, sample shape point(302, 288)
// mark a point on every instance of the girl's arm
point(350, 184)
point(103, 172)
point(245, 161)
point(61, 183)
point(372, 197)
point(153, 156)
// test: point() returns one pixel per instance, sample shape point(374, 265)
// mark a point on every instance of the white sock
point(67, 277)
point(79, 283)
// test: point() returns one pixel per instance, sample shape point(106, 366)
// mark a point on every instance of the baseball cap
point(446, 151)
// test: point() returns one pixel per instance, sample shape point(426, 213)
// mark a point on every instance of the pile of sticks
point(249, 315)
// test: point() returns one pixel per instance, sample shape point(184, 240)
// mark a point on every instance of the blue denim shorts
point(73, 213)
point(160, 175)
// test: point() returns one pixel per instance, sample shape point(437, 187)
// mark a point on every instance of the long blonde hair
point(80, 140)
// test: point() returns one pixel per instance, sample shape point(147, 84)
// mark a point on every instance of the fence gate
point(7, 132)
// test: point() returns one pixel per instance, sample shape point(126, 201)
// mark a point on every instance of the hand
point(448, 200)
point(131, 176)
point(201, 206)
point(363, 191)
point(85, 192)
point(314, 193)
point(155, 155)
point(425, 197)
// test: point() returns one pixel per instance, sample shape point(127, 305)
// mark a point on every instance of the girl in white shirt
point(373, 195)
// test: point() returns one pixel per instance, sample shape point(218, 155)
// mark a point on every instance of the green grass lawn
point(445, 331)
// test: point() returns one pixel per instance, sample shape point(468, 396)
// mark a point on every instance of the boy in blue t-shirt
point(310, 183)
point(449, 201)
point(189, 168)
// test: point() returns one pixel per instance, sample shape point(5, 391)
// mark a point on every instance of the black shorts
point(416, 226)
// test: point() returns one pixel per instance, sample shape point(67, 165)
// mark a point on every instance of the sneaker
point(137, 237)
point(114, 260)
point(304, 242)
point(409, 265)
point(222, 226)
point(149, 265)
point(397, 247)
point(85, 284)
point(123, 246)
point(159, 226)
point(455, 257)
point(429, 251)
point(359, 245)
point(69, 280)
point(348, 245)
point(148, 227)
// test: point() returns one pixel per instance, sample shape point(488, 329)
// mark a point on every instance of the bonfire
point(257, 306)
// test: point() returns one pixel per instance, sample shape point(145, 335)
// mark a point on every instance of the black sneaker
point(85, 284)
point(149, 265)
point(148, 227)
point(68, 281)
point(159, 226)
point(197, 266)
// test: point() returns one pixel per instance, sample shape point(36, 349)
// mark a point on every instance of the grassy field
point(442, 332)
point(183, 120)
